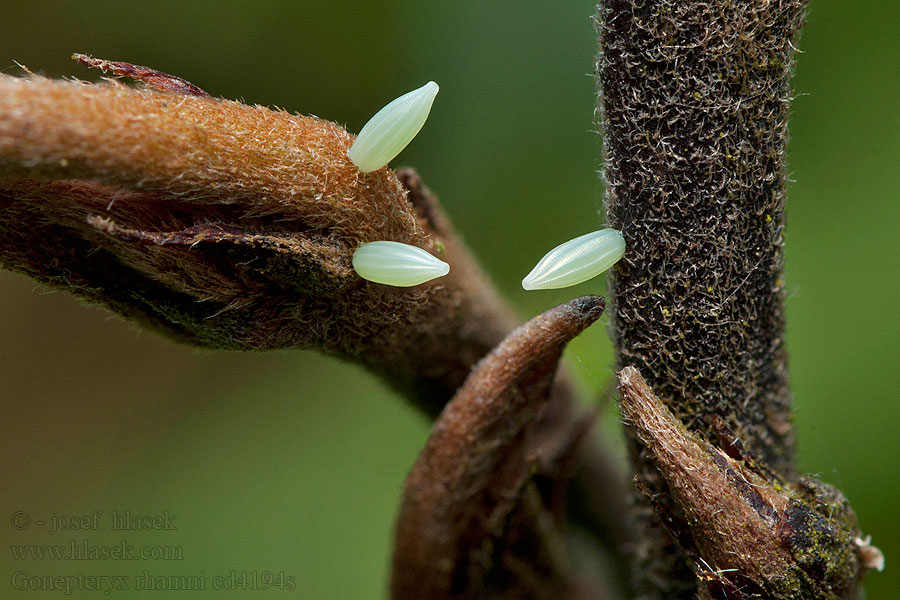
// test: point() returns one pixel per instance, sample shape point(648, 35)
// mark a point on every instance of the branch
point(230, 226)
point(694, 98)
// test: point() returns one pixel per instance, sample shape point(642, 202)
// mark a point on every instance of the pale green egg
point(392, 128)
point(576, 261)
point(397, 264)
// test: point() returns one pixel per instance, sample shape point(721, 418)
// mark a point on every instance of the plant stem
point(694, 97)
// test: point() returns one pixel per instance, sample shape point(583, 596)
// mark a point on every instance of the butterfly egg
point(397, 264)
point(392, 128)
point(576, 261)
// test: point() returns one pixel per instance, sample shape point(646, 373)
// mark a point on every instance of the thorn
point(152, 77)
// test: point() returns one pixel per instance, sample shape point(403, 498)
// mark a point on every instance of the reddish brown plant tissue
point(473, 524)
point(748, 536)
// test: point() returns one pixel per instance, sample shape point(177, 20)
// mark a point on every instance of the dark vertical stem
point(694, 98)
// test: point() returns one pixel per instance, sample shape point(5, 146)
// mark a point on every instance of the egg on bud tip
point(392, 128)
point(397, 264)
point(576, 261)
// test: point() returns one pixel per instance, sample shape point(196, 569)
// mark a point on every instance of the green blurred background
point(291, 462)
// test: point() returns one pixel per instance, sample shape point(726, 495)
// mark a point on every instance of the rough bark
point(694, 98)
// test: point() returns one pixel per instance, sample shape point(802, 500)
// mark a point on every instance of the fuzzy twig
point(230, 226)
point(694, 98)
